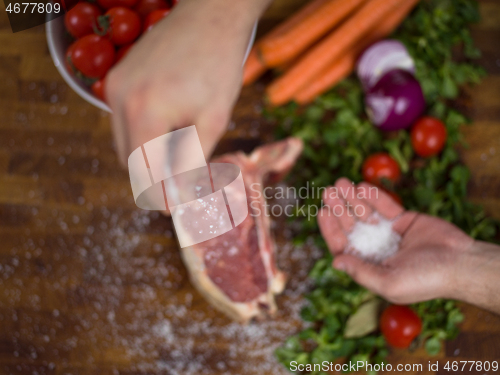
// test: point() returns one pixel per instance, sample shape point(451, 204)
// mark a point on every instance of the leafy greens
point(338, 137)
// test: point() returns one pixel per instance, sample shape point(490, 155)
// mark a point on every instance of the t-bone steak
point(236, 271)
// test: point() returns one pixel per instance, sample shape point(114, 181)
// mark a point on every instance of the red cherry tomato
point(98, 89)
point(144, 7)
point(122, 52)
point(428, 136)
point(81, 19)
point(400, 326)
point(153, 17)
point(124, 25)
point(173, 3)
point(380, 166)
point(108, 4)
point(92, 55)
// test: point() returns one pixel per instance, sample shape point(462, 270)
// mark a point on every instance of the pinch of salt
point(374, 240)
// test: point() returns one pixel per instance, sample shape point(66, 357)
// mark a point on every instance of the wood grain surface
point(90, 284)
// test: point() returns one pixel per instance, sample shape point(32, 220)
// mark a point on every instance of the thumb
point(364, 273)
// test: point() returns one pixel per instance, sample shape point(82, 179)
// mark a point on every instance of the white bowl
point(58, 40)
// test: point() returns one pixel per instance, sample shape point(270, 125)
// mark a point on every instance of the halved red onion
point(380, 58)
point(396, 101)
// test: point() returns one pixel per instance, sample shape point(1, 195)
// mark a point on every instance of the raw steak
point(236, 271)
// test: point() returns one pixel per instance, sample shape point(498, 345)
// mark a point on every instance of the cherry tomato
point(428, 136)
point(153, 17)
point(380, 166)
point(81, 19)
point(122, 52)
point(123, 25)
point(173, 3)
point(400, 326)
point(98, 89)
point(108, 4)
point(92, 55)
point(144, 7)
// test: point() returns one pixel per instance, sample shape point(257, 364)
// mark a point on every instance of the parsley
point(338, 137)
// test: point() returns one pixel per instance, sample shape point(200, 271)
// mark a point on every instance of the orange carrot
point(342, 67)
point(295, 19)
point(332, 75)
point(278, 49)
point(254, 67)
point(331, 48)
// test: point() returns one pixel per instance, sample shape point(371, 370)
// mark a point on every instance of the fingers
point(211, 126)
point(133, 131)
point(366, 274)
point(334, 227)
point(339, 215)
point(120, 137)
point(346, 203)
point(138, 116)
point(115, 95)
point(402, 224)
point(380, 201)
point(352, 195)
point(338, 209)
point(332, 231)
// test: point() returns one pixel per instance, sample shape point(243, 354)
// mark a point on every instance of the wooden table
point(89, 284)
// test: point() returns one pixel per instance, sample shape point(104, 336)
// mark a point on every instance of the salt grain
point(374, 240)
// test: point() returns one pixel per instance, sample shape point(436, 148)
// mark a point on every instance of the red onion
point(396, 101)
point(381, 58)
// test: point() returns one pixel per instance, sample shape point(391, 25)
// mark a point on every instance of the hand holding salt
point(373, 240)
point(401, 255)
point(361, 220)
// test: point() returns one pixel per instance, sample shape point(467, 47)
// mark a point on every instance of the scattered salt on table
point(374, 240)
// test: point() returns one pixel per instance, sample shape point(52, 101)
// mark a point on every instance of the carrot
point(295, 19)
point(285, 46)
point(331, 48)
point(342, 67)
point(254, 67)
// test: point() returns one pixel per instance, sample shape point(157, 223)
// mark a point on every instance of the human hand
point(428, 263)
point(187, 70)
